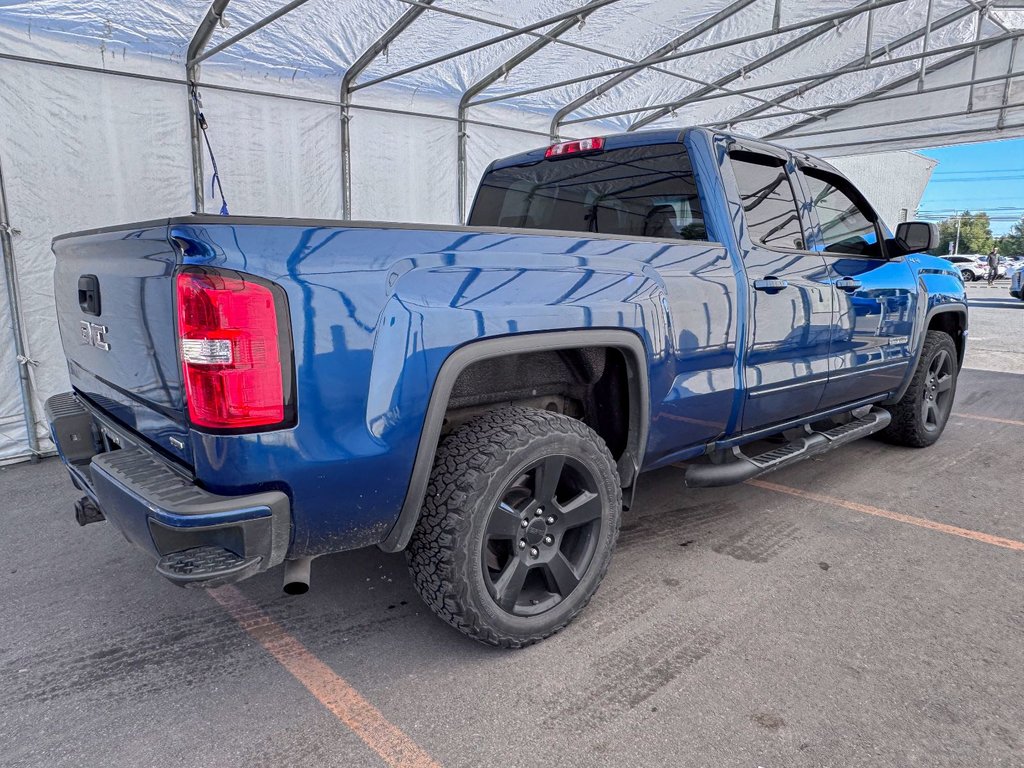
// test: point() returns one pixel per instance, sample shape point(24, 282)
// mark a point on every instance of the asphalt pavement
point(864, 608)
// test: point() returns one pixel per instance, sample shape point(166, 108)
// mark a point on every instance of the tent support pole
point(925, 45)
point(345, 98)
point(202, 36)
point(974, 58)
point(1007, 85)
point(867, 37)
point(17, 329)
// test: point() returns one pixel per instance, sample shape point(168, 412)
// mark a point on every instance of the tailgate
point(114, 292)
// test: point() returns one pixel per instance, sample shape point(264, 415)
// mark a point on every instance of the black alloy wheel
point(938, 394)
point(542, 536)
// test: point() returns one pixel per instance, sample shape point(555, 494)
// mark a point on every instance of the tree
point(975, 234)
point(1012, 244)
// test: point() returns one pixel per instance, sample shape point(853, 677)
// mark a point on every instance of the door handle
point(848, 284)
point(770, 284)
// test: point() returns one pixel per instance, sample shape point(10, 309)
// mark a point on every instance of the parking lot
point(862, 608)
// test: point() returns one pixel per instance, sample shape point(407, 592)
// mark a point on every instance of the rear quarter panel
point(376, 311)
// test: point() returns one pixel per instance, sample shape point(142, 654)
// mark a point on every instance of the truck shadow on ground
point(362, 608)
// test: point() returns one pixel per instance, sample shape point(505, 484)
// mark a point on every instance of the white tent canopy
point(390, 109)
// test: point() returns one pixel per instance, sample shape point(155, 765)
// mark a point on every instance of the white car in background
point(1017, 283)
point(969, 266)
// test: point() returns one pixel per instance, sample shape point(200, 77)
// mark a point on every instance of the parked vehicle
point(970, 267)
point(250, 392)
point(1017, 284)
point(1012, 265)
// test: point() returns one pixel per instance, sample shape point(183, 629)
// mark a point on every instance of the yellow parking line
point(986, 538)
point(1013, 422)
point(340, 698)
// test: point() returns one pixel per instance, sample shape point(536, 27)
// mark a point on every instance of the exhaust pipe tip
point(296, 576)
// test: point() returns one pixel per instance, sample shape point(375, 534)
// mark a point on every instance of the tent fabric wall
point(78, 151)
point(82, 149)
point(13, 437)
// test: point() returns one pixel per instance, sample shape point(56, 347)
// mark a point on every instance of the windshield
point(635, 191)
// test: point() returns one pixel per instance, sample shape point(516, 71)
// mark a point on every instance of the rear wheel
point(967, 275)
point(920, 416)
point(518, 526)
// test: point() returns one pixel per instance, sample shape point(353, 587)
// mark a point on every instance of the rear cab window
point(645, 191)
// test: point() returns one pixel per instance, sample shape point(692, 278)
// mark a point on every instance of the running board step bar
point(811, 443)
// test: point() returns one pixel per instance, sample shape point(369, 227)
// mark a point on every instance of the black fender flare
point(628, 342)
point(937, 310)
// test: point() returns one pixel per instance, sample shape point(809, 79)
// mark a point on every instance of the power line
point(980, 170)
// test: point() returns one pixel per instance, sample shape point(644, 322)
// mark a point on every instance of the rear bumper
point(160, 509)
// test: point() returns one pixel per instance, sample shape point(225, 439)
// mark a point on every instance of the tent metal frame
point(22, 358)
point(496, 74)
point(870, 55)
point(831, 17)
point(888, 91)
point(347, 82)
point(877, 64)
point(549, 31)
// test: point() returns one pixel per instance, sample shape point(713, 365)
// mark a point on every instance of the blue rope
point(215, 185)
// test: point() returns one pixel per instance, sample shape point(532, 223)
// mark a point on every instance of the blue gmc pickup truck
point(249, 392)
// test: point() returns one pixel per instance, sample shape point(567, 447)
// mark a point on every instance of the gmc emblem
point(94, 335)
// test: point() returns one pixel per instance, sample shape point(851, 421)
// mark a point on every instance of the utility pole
point(956, 247)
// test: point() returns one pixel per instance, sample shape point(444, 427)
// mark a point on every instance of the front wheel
point(920, 416)
point(518, 525)
point(967, 275)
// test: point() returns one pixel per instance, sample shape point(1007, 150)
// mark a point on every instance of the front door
point(875, 298)
point(790, 297)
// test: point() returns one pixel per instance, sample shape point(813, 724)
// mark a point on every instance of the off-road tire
point(908, 426)
point(473, 467)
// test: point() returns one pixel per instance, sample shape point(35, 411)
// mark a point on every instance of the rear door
point(875, 298)
point(790, 299)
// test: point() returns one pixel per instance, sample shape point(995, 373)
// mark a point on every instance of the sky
point(978, 177)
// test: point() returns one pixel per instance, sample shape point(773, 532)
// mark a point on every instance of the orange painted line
point(986, 538)
point(343, 701)
point(1012, 422)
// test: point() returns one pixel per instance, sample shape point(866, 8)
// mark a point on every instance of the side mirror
point(916, 236)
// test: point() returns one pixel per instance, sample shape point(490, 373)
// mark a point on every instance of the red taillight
point(575, 147)
point(230, 351)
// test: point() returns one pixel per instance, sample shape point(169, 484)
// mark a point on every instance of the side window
point(847, 223)
point(769, 203)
